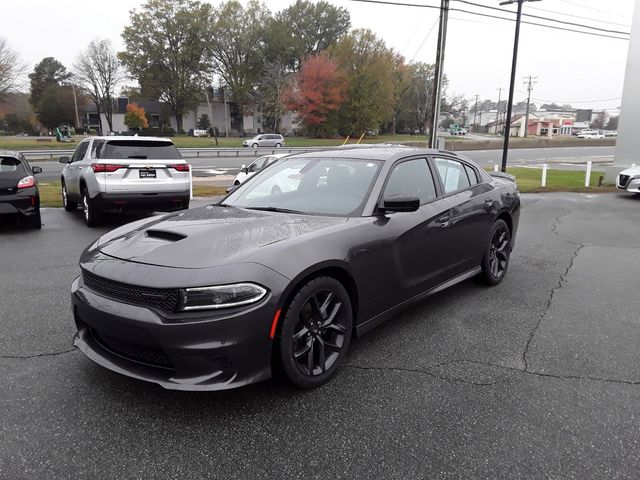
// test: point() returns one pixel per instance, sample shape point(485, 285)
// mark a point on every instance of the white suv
point(265, 140)
point(124, 173)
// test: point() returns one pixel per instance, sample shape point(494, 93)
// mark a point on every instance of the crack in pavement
point(37, 355)
point(425, 372)
point(559, 285)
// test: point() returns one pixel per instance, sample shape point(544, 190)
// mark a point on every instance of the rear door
point(144, 166)
point(73, 170)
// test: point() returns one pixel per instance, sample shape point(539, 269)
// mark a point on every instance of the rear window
point(123, 149)
point(10, 166)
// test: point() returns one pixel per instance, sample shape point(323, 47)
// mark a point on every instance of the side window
point(453, 175)
point(471, 173)
point(80, 151)
point(257, 165)
point(96, 148)
point(412, 177)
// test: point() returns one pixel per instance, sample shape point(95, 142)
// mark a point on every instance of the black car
point(19, 195)
point(280, 279)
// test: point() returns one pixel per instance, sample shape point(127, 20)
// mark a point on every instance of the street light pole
point(514, 62)
point(437, 91)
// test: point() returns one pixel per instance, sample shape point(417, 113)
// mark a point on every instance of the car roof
point(10, 153)
point(129, 138)
point(383, 153)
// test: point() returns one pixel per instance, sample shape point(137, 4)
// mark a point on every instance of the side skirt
point(372, 323)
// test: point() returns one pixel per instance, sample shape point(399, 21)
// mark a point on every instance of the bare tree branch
point(11, 68)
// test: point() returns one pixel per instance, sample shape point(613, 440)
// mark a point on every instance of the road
point(536, 378)
point(222, 170)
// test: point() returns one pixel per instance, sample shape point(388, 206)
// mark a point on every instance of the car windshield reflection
point(310, 185)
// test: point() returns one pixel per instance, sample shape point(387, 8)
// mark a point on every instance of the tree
point(56, 106)
point(600, 121)
point(369, 67)
point(236, 46)
point(306, 28)
point(135, 117)
point(203, 122)
point(272, 87)
point(166, 49)
point(319, 91)
point(415, 103)
point(98, 72)
point(11, 68)
point(47, 72)
point(612, 124)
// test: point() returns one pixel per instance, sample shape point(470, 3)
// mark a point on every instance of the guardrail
point(189, 152)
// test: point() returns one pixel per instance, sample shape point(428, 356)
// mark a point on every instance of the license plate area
point(146, 173)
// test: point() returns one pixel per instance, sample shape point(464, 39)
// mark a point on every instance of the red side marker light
point(274, 324)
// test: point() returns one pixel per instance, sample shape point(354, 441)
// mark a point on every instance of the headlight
point(221, 296)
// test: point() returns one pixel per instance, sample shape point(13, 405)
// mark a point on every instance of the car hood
point(633, 171)
point(209, 236)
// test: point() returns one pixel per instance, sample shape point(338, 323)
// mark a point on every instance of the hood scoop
point(165, 235)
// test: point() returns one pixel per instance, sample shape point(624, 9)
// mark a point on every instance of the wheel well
point(507, 219)
point(340, 274)
point(83, 184)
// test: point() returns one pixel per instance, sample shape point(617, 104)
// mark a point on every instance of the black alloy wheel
point(68, 205)
point(35, 221)
point(316, 332)
point(496, 258)
point(91, 215)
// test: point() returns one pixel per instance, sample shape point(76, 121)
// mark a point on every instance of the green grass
point(51, 196)
point(528, 180)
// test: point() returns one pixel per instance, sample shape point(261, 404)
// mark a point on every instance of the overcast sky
point(583, 70)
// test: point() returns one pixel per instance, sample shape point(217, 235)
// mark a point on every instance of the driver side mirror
point(400, 203)
point(36, 170)
point(64, 160)
point(244, 169)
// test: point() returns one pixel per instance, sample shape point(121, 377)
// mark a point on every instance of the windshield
point(321, 186)
point(124, 149)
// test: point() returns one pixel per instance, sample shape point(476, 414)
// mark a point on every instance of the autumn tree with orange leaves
point(135, 117)
point(319, 92)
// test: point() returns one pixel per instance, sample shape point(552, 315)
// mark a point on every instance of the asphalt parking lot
point(536, 378)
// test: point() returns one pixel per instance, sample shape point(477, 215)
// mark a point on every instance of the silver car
point(265, 140)
point(114, 174)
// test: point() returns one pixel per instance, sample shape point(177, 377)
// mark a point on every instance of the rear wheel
point(91, 216)
point(255, 145)
point(496, 256)
point(35, 221)
point(278, 145)
point(68, 205)
point(316, 332)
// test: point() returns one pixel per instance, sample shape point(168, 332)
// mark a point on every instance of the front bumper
point(24, 202)
point(629, 184)
point(216, 352)
point(141, 201)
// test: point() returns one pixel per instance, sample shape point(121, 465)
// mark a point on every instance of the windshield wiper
point(274, 209)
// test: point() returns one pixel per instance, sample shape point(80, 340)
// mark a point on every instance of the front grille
point(162, 298)
point(623, 180)
point(138, 353)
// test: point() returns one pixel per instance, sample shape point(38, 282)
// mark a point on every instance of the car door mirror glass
point(64, 160)
point(400, 203)
point(243, 169)
point(36, 170)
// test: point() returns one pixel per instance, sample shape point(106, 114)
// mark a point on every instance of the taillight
point(27, 182)
point(106, 167)
point(181, 167)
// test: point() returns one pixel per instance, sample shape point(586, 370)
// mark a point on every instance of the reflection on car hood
point(631, 171)
point(208, 236)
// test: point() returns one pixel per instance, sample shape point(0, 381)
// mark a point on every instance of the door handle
point(488, 202)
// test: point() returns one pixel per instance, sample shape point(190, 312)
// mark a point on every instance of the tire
point(495, 260)
point(91, 216)
point(68, 205)
point(255, 145)
point(35, 221)
point(278, 145)
point(315, 332)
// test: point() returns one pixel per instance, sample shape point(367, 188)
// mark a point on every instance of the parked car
point(219, 296)
point(115, 174)
point(610, 133)
point(590, 134)
point(629, 180)
point(253, 168)
point(19, 194)
point(265, 140)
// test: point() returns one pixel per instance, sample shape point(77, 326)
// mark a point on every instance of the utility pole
point(529, 84)
point(514, 63)
point(475, 112)
point(498, 109)
point(226, 113)
point(75, 103)
point(213, 127)
point(439, 69)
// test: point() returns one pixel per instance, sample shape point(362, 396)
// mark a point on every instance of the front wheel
point(255, 145)
point(316, 332)
point(496, 256)
point(278, 145)
point(68, 205)
point(92, 216)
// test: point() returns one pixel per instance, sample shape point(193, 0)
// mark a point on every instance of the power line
point(590, 8)
point(553, 27)
point(424, 39)
point(580, 17)
point(538, 17)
